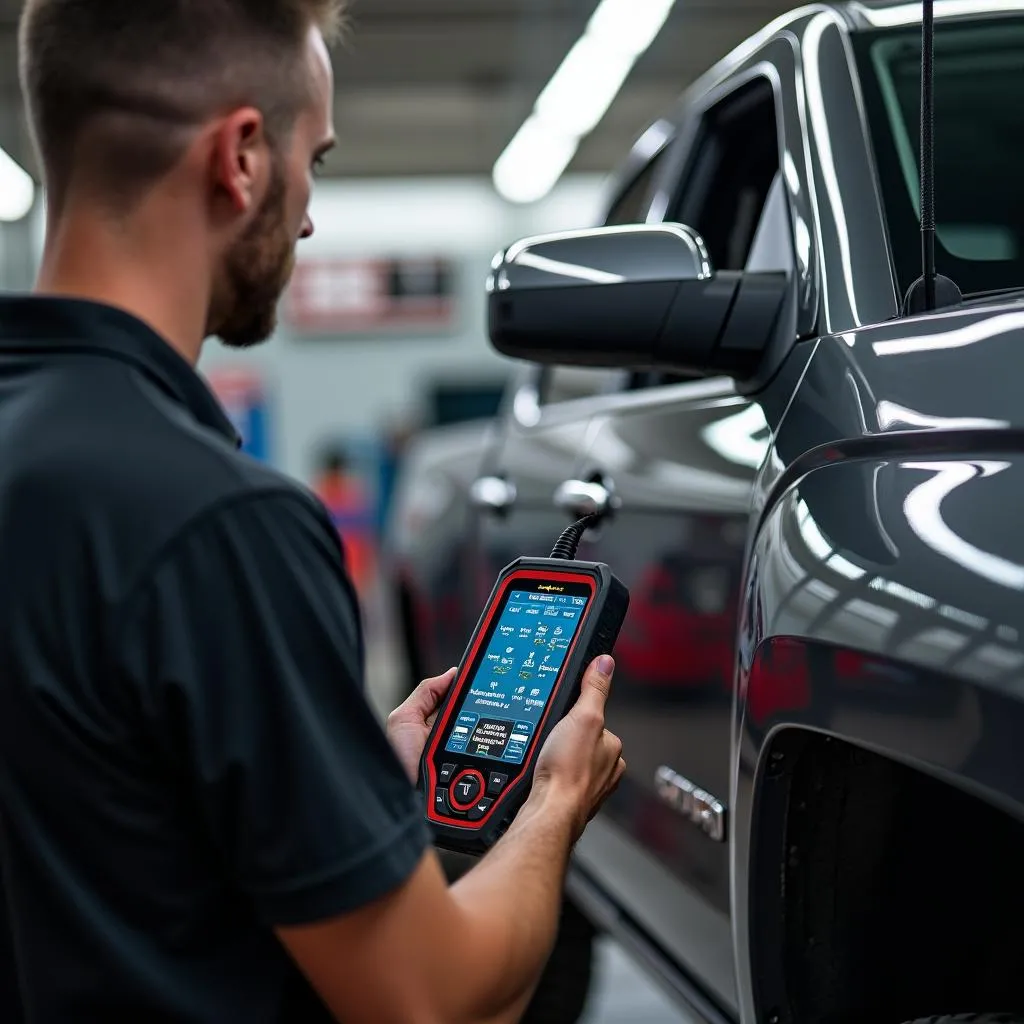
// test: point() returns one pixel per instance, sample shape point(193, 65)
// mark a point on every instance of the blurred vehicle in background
point(424, 544)
point(819, 686)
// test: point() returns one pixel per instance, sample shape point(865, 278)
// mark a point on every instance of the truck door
point(547, 434)
point(680, 456)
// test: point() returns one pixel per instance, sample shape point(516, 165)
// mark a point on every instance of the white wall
point(321, 387)
point(20, 246)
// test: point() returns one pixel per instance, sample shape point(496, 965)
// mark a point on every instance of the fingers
point(614, 760)
point(439, 684)
point(611, 749)
point(596, 685)
point(610, 786)
point(429, 694)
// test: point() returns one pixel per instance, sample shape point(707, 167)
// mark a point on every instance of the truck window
point(729, 175)
point(725, 190)
point(979, 123)
point(633, 202)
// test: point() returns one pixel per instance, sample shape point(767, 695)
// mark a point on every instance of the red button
point(467, 788)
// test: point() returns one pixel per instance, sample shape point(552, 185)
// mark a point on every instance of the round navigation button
point(467, 788)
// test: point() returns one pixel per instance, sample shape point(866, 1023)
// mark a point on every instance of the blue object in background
point(244, 399)
point(253, 429)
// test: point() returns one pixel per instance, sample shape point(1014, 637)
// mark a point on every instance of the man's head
point(223, 107)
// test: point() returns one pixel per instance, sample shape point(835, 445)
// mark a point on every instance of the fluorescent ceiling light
point(562, 269)
point(578, 96)
point(17, 190)
point(582, 89)
point(628, 26)
point(533, 162)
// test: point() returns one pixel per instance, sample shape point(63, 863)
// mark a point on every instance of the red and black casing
point(595, 635)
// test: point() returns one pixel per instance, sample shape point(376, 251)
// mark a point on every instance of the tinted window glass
point(631, 206)
point(979, 145)
point(730, 174)
point(726, 187)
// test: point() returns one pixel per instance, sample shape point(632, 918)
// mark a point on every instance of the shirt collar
point(40, 323)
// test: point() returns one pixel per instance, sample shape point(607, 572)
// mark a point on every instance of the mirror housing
point(639, 296)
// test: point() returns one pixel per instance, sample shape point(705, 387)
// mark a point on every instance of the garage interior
point(435, 102)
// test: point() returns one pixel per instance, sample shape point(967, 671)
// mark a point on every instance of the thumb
point(596, 685)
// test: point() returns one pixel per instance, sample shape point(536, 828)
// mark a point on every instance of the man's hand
point(472, 951)
point(409, 724)
point(581, 761)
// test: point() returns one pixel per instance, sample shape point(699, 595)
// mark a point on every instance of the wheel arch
point(872, 889)
point(941, 727)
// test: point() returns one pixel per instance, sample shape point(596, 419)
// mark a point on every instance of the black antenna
point(928, 151)
point(931, 289)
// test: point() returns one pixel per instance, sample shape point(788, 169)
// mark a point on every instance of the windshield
point(979, 147)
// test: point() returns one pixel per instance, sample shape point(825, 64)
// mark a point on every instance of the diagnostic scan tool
point(546, 621)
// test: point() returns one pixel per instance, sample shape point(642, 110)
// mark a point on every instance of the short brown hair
point(115, 88)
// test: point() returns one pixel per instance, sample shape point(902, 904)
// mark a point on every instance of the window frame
point(691, 144)
point(677, 157)
point(719, 98)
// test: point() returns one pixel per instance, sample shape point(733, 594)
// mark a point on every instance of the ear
point(240, 159)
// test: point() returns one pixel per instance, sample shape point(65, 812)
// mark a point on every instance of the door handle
point(581, 498)
point(493, 493)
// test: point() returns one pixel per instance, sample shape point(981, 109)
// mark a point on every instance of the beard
point(256, 271)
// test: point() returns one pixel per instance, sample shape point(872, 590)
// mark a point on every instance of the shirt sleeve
point(245, 648)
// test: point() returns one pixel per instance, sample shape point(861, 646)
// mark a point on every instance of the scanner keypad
point(464, 792)
point(466, 789)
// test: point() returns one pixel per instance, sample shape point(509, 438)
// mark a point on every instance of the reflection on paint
point(742, 438)
point(961, 337)
point(923, 509)
point(526, 408)
point(891, 415)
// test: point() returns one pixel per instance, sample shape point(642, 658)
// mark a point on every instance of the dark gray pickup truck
point(814, 492)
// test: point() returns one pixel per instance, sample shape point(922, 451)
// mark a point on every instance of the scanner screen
point(514, 680)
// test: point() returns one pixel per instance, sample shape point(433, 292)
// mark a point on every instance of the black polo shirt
point(186, 756)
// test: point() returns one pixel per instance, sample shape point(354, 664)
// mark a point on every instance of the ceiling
point(440, 86)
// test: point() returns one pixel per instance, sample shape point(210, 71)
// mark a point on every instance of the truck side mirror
point(640, 296)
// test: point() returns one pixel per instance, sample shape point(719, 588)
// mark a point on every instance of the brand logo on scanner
point(551, 588)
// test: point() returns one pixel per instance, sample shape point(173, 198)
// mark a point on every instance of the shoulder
point(126, 477)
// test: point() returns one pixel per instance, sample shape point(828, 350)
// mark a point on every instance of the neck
point(137, 264)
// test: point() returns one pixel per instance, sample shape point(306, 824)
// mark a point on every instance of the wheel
point(561, 995)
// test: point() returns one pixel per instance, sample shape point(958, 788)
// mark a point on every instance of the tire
point(972, 1018)
point(561, 995)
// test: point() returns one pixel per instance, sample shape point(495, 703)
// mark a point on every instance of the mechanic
point(200, 818)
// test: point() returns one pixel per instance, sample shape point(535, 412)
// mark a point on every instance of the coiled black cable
point(568, 544)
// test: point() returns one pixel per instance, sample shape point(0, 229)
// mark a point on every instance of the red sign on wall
point(346, 296)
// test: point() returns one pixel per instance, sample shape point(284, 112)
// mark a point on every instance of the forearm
point(510, 904)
